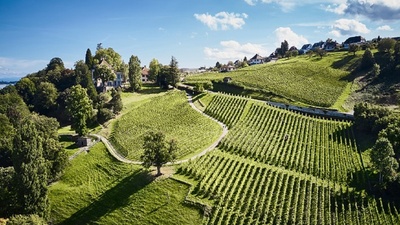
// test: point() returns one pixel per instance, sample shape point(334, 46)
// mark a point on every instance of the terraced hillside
point(171, 114)
point(282, 167)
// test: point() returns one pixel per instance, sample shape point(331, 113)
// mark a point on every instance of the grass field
point(97, 189)
point(313, 81)
point(171, 114)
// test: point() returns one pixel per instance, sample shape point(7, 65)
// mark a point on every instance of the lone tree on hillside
point(157, 151)
point(353, 48)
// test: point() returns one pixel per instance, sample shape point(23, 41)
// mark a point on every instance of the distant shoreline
point(7, 82)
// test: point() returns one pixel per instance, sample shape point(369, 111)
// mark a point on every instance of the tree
point(6, 137)
point(382, 158)
point(55, 64)
point(116, 101)
point(154, 71)
point(30, 170)
point(376, 69)
point(367, 60)
point(320, 52)
point(84, 78)
point(284, 48)
point(218, 65)
point(55, 156)
point(173, 75)
point(79, 107)
point(26, 89)
point(89, 59)
point(135, 73)
point(111, 56)
point(45, 97)
point(386, 45)
point(310, 53)
point(157, 151)
point(354, 48)
point(104, 73)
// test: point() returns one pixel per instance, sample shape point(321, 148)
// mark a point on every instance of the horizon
point(197, 34)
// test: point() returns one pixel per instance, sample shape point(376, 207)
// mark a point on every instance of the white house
point(112, 83)
point(257, 59)
point(145, 74)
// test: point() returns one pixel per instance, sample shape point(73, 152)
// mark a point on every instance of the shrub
point(104, 115)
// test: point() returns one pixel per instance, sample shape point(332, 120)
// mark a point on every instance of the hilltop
point(333, 81)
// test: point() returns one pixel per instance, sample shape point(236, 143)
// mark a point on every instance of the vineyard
point(170, 114)
point(301, 79)
point(281, 167)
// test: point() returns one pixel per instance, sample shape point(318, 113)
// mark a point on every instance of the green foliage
point(382, 157)
point(6, 136)
point(157, 151)
point(170, 114)
point(111, 57)
point(26, 89)
point(284, 48)
point(173, 72)
point(154, 71)
point(376, 70)
point(320, 52)
point(368, 60)
point(135, 73)
point(30, 170)
point(45, 97)
point(104, 73)
point(7, 191)
point(13, 107)
point(353, 48)
point(31, 219)
point(386, 45)
point(89, 59)
point(116, 102)
point(80, 109)
point(84, 78)
point(104, 115)
point(56, 158)
point(55, 64)
point(366, 115)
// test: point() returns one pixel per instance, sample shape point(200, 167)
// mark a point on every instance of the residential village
point(328, 46)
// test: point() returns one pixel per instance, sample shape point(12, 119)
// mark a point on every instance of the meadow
point(306, 80)
point(171, 114)
point(97, 189)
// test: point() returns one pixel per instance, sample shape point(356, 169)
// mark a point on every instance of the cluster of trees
point(164, 75)
point(31, 157)
point(385, 154)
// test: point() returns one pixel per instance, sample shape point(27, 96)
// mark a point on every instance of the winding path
point(121, 158)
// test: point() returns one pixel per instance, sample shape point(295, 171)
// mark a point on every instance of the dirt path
point(121, 158)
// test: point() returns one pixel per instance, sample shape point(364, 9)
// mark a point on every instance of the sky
point(196, 32)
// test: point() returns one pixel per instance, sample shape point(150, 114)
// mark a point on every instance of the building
point(257, 59)
point(356, 40)
point(110, 84)
point(145, 74)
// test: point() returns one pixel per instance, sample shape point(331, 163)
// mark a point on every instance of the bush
point(26, 220)
point(104, 115)
point(367, 60)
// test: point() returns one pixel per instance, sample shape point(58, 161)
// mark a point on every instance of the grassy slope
point(314, 81)
point(171, 114)
point(98, 189)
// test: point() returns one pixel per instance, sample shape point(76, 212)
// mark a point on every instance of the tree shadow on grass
point(112, 199)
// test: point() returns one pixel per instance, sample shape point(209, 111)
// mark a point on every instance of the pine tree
point(89, 59)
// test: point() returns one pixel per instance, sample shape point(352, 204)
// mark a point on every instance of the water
point(2, 86)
